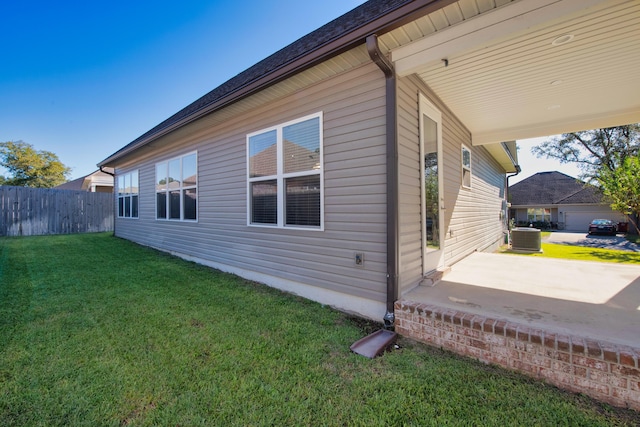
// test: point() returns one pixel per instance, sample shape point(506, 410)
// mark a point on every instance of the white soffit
point(507, 78)
point(482, 30)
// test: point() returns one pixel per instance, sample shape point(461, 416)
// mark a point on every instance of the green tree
point(622, 187)
point(593, 151)
point(30, 168)
point(608, 157)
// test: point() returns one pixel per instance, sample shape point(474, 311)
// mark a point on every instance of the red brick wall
point(607, 372)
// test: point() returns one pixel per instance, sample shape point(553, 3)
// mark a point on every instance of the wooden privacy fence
point(37, 211)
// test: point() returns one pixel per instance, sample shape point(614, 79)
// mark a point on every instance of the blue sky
point(84, 78)
point(531, 165)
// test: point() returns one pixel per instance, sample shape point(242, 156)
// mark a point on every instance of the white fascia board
point(482, 30)
point(566, 125)
point(499, 153)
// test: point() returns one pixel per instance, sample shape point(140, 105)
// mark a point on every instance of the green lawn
point(582, 253)
point(97, 331)
point(633, 238)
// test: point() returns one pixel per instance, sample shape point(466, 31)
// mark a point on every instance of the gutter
point(380, 341)
point(518, 170)
point(515, 163)
point(107, 172)
point(392, 178)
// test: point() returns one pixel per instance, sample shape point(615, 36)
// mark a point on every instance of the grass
point(581, 253)
point(97, 331)
point(633, 238)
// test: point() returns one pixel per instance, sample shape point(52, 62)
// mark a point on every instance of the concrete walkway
point(590, 299)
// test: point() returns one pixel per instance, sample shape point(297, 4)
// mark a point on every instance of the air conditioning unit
point(526, 240)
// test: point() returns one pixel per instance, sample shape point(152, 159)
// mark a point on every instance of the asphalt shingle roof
point(552, 188)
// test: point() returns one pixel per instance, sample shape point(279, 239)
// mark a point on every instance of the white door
point(432, 186)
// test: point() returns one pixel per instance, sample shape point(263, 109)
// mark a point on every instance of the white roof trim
point(563, 126)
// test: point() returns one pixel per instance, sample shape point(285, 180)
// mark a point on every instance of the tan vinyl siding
point(472, 216)
point(353, 106)
point(476, 222)
point(409, 185)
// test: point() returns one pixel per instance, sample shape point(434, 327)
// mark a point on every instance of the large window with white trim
point(177, 188)
point(128, 195)
point(285, 182)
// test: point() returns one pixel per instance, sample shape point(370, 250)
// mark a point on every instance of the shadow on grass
point(633, 238)
point(621, 258)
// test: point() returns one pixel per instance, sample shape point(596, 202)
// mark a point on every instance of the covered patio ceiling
point(532, 68)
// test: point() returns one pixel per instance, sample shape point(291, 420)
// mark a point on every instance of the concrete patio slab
point(590, 299)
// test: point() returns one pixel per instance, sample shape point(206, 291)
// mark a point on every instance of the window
point(539, 215)
point(128, 195)
point(285, 174)
point(177, 188)
point(466, 167)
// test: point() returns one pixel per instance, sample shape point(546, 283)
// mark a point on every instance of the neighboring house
point(95, 182)
point(556, 200)
point(373, 152)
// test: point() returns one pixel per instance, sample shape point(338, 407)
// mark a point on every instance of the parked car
point(602, 226)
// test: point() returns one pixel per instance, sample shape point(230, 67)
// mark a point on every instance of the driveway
point(592, 241)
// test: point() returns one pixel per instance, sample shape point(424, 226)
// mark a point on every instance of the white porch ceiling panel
point(509, 76)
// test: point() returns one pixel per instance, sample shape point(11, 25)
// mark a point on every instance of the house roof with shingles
point(339, 35)
point(553, 188)
point(76, 184)
point(83, 183)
